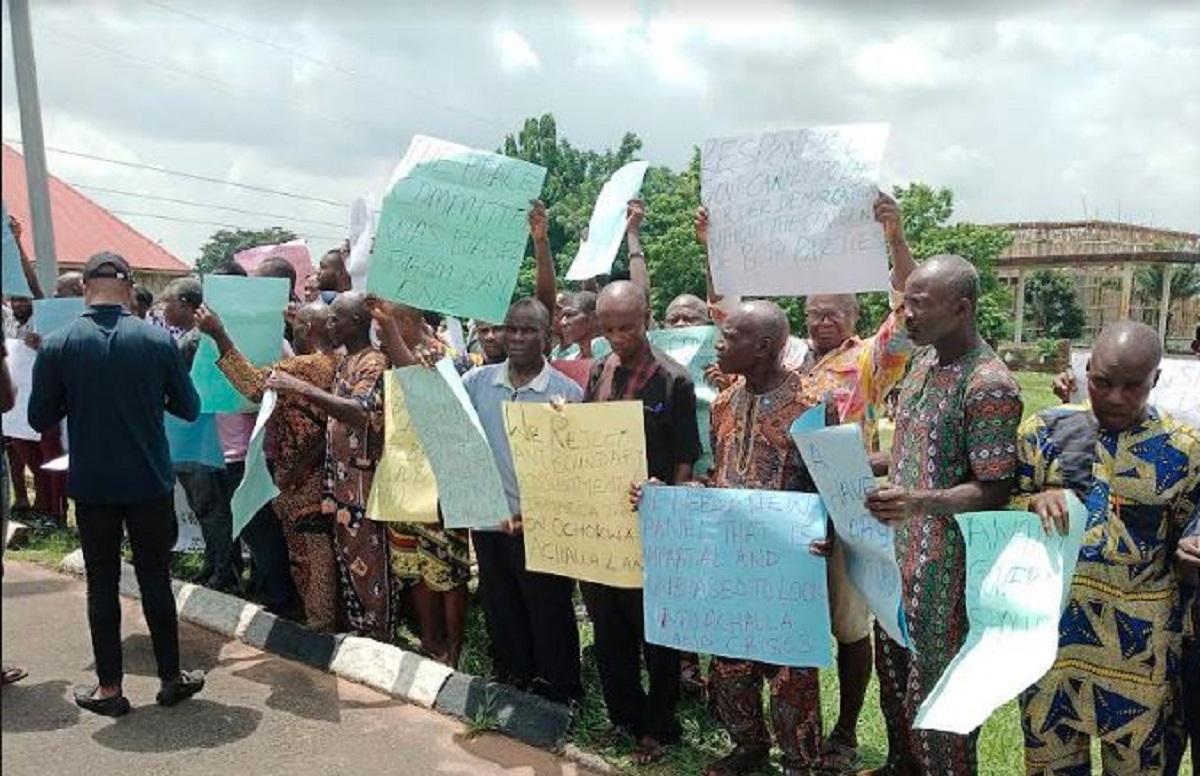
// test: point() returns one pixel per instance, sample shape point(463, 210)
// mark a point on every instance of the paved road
point(259, 714)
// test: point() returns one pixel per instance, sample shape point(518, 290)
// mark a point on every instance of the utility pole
point(34, 149)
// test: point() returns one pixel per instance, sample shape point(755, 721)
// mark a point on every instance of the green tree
point(927, 213)
point(1051, 301)
point(574, 178)
point(1148, 283)
point(673, 256)
point(223, 244)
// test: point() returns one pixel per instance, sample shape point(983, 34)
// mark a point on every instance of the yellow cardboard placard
point(404, 489)
point(575, 465)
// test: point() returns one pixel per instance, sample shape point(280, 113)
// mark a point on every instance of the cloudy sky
point(1028, 110)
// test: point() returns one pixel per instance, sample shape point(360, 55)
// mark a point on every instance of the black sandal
point(116, 706)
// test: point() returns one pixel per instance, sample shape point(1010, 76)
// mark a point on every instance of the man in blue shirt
point(530, 616)
point(112, 375)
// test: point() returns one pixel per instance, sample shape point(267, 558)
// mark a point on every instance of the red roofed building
point(83, 228)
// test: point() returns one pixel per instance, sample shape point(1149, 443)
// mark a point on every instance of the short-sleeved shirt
point(668, 399)
point(489, 388)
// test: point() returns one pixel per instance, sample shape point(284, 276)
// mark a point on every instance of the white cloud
point(516, 55)
point(1019, 107)
point(901, 63)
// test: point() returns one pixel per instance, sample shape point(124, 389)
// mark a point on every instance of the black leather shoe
point(187, 684)
point(116, 706)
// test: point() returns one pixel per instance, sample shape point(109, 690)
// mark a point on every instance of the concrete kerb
point(383, 667)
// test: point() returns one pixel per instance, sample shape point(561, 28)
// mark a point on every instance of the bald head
point(752, 340)
point(350, 321)
point(310, 331)
point(623, 314)
point(313, 313)
point(940, 301)
point(687, 310)
point(69, 284)
point(1121, 372)
point(1132, 344)
point(763, 320)
point(953, 276)
point(622, 295)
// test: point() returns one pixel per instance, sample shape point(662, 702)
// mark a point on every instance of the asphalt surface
point(259, 714)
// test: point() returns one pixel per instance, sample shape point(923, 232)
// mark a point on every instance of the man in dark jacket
point(112, 375)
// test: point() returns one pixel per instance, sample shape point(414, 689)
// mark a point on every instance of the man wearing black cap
point(112, 375)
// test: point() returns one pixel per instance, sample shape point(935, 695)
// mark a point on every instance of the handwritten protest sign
point(20, 368)
point(606, 228)
point(453, 229)
point(198, 442)
point(295, 252)
point(189, 538)
point(257, 487)
point(468, 482)
point(364, 217)
point(574, 466)
point(1176, 391)
point(1017, 584)
point(404, 488)
point(837, 460)
point(252, 311)
point(791, 212)
point(50, 315)
point(693, 348)
point(13, 280)
point(729, 572)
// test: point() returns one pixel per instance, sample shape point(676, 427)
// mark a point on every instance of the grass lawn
point(1000, 743)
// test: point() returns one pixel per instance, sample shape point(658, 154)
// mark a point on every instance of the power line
point(133, 214)
point(340, 118)
point(390, 87)
point(157, 198)
point(193, 176)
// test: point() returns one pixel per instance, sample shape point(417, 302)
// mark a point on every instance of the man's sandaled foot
point(649, 750)
point(13, 674)
point(614, 736)
point(743, 759)
point(179, 689)
point(840, 757)
point(112, 706)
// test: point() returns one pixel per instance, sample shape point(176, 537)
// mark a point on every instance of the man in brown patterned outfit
point(296, 432)
point(752, 449)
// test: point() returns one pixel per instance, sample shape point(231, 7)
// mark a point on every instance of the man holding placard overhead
point(954, 451)
point(1137, 469)
point(636, 371)
point(753, 450)
point(855, 375)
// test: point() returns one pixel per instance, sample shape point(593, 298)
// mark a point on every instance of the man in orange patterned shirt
point(855, 375)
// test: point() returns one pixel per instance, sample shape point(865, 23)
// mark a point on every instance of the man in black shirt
point(112, 375)
point(636, 371)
